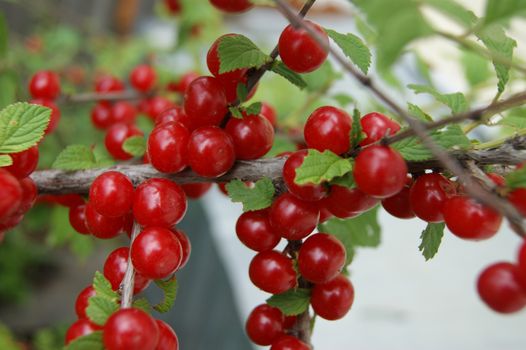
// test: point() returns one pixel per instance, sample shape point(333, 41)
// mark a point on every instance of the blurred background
point(402, 302)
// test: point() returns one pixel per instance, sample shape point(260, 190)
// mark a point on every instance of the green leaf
point(515, 118)
point(280, 68)
point(516, 179)
point(456, 101)
point(237, 51)
point(241, 92)
point(254, 108)
point(235, 112)
point(318, 167)
point(22, 126)
point(353, 47)
point(343, 99)
point(135, 145)
point(75, 157)
point(503, 10)
point(356, 131)
point(258, 196)
point(5, 160)
point(346, 180)
point(322, 78)
point(102, 157)
point(417, 112)
point(455, 11)
point(476, 68)
point(92, 341)
point(100, 309)
point(169, 288)
point(292, 302)
point(431, 239)
point(103, 288)
point(3, 36)
point(281, 144)
point(142, 304)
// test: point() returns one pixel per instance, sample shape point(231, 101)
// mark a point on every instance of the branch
point(105, 96)
point(128, 282)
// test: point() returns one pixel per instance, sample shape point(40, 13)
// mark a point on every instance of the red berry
point(230, 87)
point(213, 62)
point(157, 105)
point(174, 6)
point(253, 230)
point(159, 202)
point(10, 222)
point(293, 218)
point(80, 328)
point(69, 200)
point(399, 205)
point(468, 219)
point(306, 192)
point(101, 116)
point(272, 272)
point(29, 195)
point(428, 194)
point(290, 321)
point(497, 179)
point(321, 258)
point(45, 84)
point(299, 51)
point(268, 112)
point(82, 301)
point(115, 268)
point(111, 194)
point(55, 113)
point(102, 226)
point(156, 253)
point(174, 114)
point(522, 265)
point(143, 78)
point(185, 245)
point(325, 214)
point(11, 197)
point(167, 338)
point(167, 147)
point(332, 300)
point(205, 102)
point(115, 137)
point(346, 203)
point(196, 190)
point(498, 286)
point(288, 342)
point(253, 136)
point(183, 83)
point(375, 126)
point(518, 198)
point(108, 83)
point(328, 128)
point(265, 324)
point(123, 112)
point(130, 329)
point(232, 6)
point(24, 163)
point(77, 219)
point(211, 151)
point(380, 171)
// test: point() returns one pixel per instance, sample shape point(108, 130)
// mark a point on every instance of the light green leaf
point(353, 47)
point(503, 10)
point(455, 11)
point(476, 68)
point(343, 99)
point(346, 180)
point(254, 108)
point(100, 309)
point(319, 167)
point(235, 112)
point(456, 101)
point(5, 160)
point(417, 112)
point(515, 118)
point(292, 302)
point(237, 51)
point(516, 179)
point(91, 341)
point(169, 288)
point(103, 288)
point(135, 145)
point(322, 78)
point(75, 157)
point(431, 239)
point(280, 68)
point(258, 196)
point(142, 304)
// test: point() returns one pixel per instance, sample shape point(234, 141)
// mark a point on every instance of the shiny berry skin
point(213, 62)
point(45, 84)
point(77, 219)
point(205, 102)
point(265, 324)
point(253, 230)
point(167, 147)
point(293, 218)
point(232, 6)
point(130, 329)
point(253, 136)
point(159, 202)
point(268, 112)
point(29, 195)
point(211, 151)
point(332, 300)
point(143, 78)
point(288, 342)
point(174, 114)
point(11, 197)
point(156, 253)
point(102, 226)
point(111, 194)
point(80, 328)
point(305, 192)
point(186, 247)
point(55, 113)
point(156, 105)
point(272, 272)
point(123, 112)
point(185, 81)
point(115, 268)
point(468, 219)
point(321, 258)
point(115, 137)
point(346, 203)
point(167, 338)
point(498, 286)
point(328, 128)
point(518, 198)
point(375, 126)
point(101, 116)
point(82, 301)
point(380, 171)
point(521, 261)
point(24, 163)
point(428, 194)
point(108, 83)
point(196, 190)
point(299, 51)
point(399, 205)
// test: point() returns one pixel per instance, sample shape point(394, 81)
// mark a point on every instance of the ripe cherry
point(156, 253)
point(11, 222)
point(174, 114)
point(80, 328)
point(196, 190)
point(45, 84)
point(111, 194)
point(518, 198)
point(167, 147)
point(130, 329)
point(232, 6)
point(497, 179)
point(498, 286)
point(159, 202)
point(305, 192)
point(29, 195)
point(230, 87)
point(252, 135)
point(184, 81)
point(185, 245)
point(156, 105)
point(143, 78)
point(288, 342)
point(115, 268)
point(522, 265)
point(55, 113)
point(468, 219)
point(108, 83)
point(69, 200)
point(321, 258)
point(272, 272)
point(346, 203)
point(333, 299)
point(293, 218)
point(167, 338)
point(102, 226)
point(399, 205)
point(82, 301)
point(213, 62)
point(328, 128)
point(428, 194)
point(211, 151)
point(380, 171)
point(77, 219)
point(123, 112)
point(115, 137)
point(205, 102)
point(268, 112)
point(265, 324)
point(375, 126)
point(253, 230)
point(24, 163)
point(11, 197)
point(101, 116)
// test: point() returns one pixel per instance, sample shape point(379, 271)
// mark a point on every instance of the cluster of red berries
point(44, 88)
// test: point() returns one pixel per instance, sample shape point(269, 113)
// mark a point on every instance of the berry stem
point(127, 284)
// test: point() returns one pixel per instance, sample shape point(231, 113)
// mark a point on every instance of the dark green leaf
point(254, 108)
point(238, 51)
point(75, 157)
point(258, 196)
point(91, 341)
point(279, 68)
point(292, 302)
point(169, 288)
point(135, 145)
point(100, 309)
point(431, 239)
point(5, 160)
point(319, 167)
point(353, 47)
point(456, 101)
point(236, 112)
point(346, 180)
point(503, 10)
point(242, 92)
point(103, 287)
point(516, 179)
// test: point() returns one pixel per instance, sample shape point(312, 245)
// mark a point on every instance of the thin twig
point(128, 281)
point(106, 96)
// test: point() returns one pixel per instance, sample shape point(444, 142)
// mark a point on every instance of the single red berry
point(268, 112)
point(130, 329)
point(346, 203)
point(521, 261)
point(185, 245)
point(69, 200)
point(230, 87)
point(167, 338)
point(213, 62)
point(325, 214)
point(253, 136)
point(468, 219)
point(498, 286)
point(288, 342)
point(80, 328)
point(174, 114)
point(321, 258)
point(174, 6)
point(167, 147)
point(272, 272)
point(159, 202)
point(115, 137)
point(211, 151)
point(123, 112)
point(375, 126)
point(265, 324)
point(45, 84)
point(293, 218)
point(11, 197)
point(222, 188)
point(77, 219)
point(82, 301)
point(289, 322)
point(307, 192)
point(11, 222)
point(102, 226)
point(205, 102)
point(115, 268)
point(332, 300)
point(55, 113)
point(111, 194)
point(399, 205)
point(108, 83)
point(29, 195)
point(101, 116)
point(24, 163)
point(183, 83)
point(157, 105)
point(232, 6)
point(497, 179)
point(328, 128)
point(196, 190)
point(299, 51)
point(380, 171)
point(428, 194)
point(517, 197)
point(253, 230)
point(143, 78)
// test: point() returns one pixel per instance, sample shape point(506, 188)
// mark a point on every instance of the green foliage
point(281, 69)
point(431, 239)
point(7, 341)
point(50, 338)
point(135, 145)
point(235, 112)
point(346, 180)
point(169, 287)
point(143, 304)
point(100, 309)
point(78, 157)
point(9, 83)
point(356, 131)
point(476, 68)
point(503, 10)
point(322, 78)
point(353, 47)
point(417, 112)
point(319, 167)
point(515, 119)
point(237, 52)
point(254, 108)
point(103, 288)
point(3, 36)
point(516, 179)
point(292, 302)
point(456, 101)
point(5, 160)
point(91, 341)
point(258, 196)
point(454, 10)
